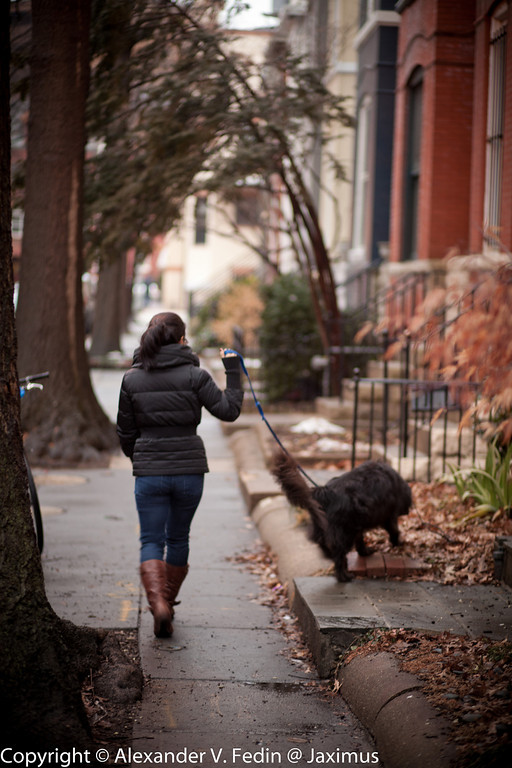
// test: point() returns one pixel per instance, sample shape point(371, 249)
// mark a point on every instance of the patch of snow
point(328, 445)
point(316, 425)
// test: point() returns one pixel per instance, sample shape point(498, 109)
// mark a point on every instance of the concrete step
point(368, 391)
point(341, 411)
point(419, 467)
point(455, 442)
point(256, 485)
point(333, 615)
point(375, 369)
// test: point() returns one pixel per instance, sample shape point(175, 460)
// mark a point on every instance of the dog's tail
point(284, 468)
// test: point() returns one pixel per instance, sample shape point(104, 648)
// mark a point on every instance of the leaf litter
point(468, 680)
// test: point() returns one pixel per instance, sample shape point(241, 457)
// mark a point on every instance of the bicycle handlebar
point(34, 377)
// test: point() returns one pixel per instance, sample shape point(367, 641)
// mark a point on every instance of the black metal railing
point(397, 301)
point(402, 413)
point(393, 305)
point(361, 287)
point(404, 416)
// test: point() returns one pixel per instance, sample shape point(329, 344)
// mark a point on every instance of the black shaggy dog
point(370, 496)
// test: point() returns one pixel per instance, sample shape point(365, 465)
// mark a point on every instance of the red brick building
point(452, 150)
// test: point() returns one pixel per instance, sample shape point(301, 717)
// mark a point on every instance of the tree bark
point(109, 308)
point(43, 658)
point(65, 423)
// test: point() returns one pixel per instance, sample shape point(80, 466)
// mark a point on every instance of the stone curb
point(295, 553)
point(389, 703)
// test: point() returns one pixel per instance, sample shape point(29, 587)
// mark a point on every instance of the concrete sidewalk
point(223, 689)
point(222, 685)
point(91, 549)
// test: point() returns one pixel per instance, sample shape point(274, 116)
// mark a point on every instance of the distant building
point(323, 32)
point(200, 256)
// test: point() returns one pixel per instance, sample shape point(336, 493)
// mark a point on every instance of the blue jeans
point(166, 505)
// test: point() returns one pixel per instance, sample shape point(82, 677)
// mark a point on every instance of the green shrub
point(288, 339)
point(490, 488)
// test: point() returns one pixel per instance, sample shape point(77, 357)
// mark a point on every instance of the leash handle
point(244, 369)
point(260, 409)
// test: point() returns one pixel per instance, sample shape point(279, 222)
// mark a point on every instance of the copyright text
point(235, 756)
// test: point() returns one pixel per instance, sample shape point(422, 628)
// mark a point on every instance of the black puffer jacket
point(160, 409)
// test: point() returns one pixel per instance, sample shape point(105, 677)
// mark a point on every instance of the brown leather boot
point(175, 575)
point(153, 574)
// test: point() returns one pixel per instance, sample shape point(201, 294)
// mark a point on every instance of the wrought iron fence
point(396, 304)
point(413, 424)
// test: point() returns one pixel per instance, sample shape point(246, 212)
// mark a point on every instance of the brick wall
point(436, 35)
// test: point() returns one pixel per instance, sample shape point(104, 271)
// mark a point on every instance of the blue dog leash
point(260, 409)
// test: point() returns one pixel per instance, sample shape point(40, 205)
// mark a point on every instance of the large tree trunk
point(42, 658)
point(317, 267)
point(109, 310)
point(65, 423)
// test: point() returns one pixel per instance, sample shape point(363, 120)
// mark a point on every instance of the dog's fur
point(370, 496)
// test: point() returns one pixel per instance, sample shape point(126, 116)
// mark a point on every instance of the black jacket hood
point(169, 356)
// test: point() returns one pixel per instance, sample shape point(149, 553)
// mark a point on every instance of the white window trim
point(361, 175)
point(492, 189)
point(376, 19)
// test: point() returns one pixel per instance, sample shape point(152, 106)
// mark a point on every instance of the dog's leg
point(392, 528)
point(341, 567)
point(362, 549)
point(317, 535)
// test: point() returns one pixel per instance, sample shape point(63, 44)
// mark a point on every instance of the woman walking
point(159, 409)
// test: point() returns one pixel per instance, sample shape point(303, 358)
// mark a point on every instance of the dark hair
point(164, 328)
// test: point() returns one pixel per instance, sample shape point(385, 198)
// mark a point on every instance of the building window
point(248, 207)
point(495, 119)
point(200, 220)
point(413, 165)
point(361, 175)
